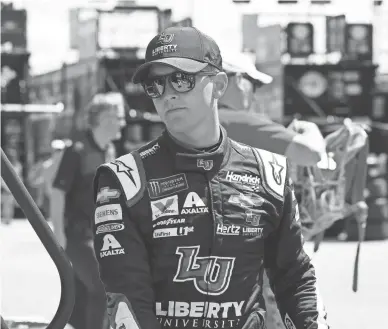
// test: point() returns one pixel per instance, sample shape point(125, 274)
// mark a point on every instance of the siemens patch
point(111, 212)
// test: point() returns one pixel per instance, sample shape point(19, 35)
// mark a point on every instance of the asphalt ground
point(30, 285)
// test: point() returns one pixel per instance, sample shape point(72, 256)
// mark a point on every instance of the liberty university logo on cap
point(165, 38)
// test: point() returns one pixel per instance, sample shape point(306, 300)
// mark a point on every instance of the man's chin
point(177, 125)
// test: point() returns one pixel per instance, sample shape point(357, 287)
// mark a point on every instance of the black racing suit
point(183, 238)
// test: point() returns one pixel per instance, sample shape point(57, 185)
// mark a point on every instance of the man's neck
point(100, 139)
point(198, 139)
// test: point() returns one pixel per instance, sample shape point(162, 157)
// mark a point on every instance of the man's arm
point(63, 171)
point(290, 272)
point(258, 131)
point(123, 259)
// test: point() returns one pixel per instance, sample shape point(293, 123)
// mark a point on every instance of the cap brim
point(260, 77)
point(183, 64)
point(254, 74)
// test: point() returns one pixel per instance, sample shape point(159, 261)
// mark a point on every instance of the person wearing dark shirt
point(242, 124)
point(72, 207)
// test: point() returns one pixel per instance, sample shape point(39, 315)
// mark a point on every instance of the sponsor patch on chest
point(167, 185)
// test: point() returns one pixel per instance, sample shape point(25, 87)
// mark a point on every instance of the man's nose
point(170, 92)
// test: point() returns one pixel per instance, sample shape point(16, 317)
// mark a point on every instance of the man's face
point(111, 121)
point(183, 111)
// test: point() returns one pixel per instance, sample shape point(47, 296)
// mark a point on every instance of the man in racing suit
point(184, 231)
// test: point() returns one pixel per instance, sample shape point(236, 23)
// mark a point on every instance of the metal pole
point(43, 230)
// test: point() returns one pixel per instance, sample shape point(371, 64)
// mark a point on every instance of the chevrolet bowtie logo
point(246, 201)
point(123, 168)
point(106, 194)
point(276, 170)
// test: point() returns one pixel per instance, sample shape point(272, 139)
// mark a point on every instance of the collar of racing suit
point(195, 160)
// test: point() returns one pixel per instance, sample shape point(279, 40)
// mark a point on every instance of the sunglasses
point(179, 81)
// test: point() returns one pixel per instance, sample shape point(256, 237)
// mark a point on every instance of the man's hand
point(311, 134)
point(255, 320)
point(120, 315)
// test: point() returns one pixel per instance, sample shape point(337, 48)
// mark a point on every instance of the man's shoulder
point(273, 169)
point(133, 162)
point(128, 171)
point(241, 147)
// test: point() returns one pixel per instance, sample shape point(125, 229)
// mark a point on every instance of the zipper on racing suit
point(214, 236)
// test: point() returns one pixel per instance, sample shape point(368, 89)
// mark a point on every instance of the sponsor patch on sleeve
point(274, 171)
point(106, 194)
point(127, 171)
point(111, 247)
point(108, 213)
point(109, 227)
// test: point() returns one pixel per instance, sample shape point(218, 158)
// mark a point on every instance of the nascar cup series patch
point(165, 186)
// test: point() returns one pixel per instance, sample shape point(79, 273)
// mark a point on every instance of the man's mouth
point(177, 108)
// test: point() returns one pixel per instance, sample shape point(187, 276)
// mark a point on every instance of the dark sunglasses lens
point(182, 82)
point(154, 88)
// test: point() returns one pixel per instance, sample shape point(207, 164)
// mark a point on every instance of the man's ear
point(220, 85)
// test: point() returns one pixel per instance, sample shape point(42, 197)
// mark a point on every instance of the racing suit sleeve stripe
point(290, 272)
point(123, 258)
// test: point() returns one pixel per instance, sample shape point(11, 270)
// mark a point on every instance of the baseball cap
point(185, 48)
point(242, 63)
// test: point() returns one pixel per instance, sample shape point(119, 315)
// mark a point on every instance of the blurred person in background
point(8, 202)
point(42, 174)
point(242, 124)
point(133, 137)
point(72, 207)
